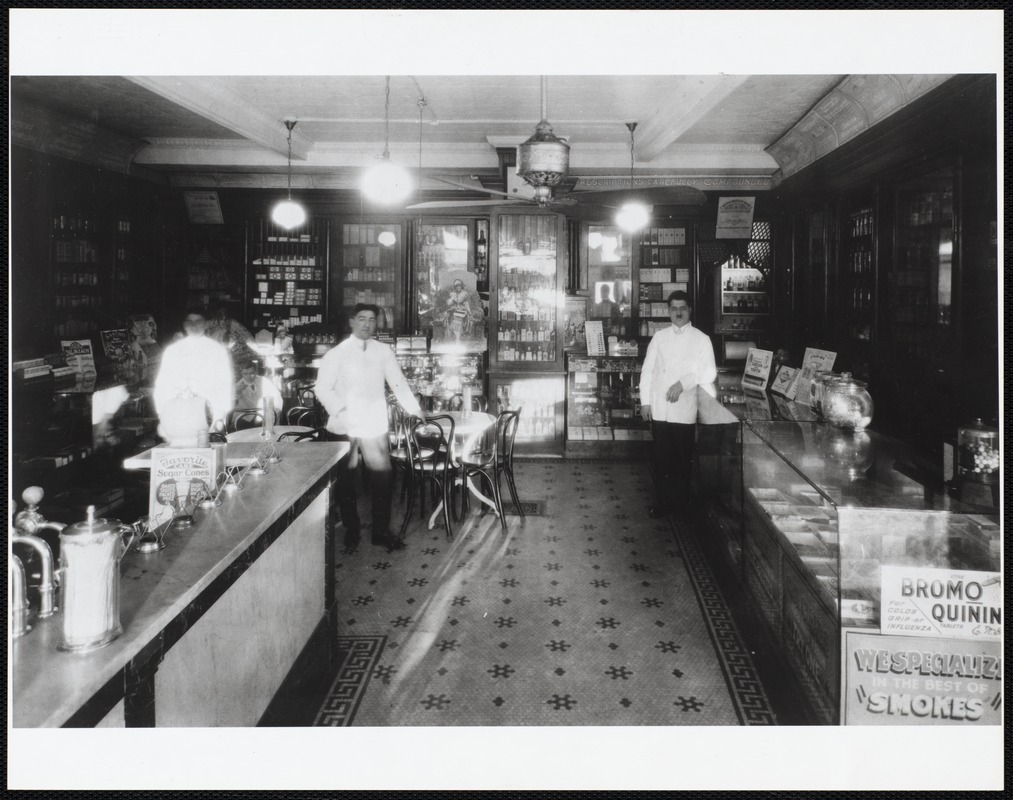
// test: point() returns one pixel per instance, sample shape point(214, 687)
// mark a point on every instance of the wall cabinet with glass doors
point(526, 292)
point(369, 271)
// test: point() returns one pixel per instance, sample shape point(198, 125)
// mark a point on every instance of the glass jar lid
point(845, 381)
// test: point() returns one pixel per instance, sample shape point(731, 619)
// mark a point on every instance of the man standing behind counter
point(193, 367)
point(350, 385)
point(679, 359)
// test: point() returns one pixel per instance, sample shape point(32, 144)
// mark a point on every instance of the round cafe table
point(256, 434)
point(469, 427)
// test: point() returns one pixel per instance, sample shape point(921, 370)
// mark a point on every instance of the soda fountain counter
point(220, 628)
point(854, 558)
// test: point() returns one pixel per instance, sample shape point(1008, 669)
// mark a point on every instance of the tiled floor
point(589, 613)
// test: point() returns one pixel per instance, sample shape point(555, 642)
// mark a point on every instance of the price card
point(595, 334)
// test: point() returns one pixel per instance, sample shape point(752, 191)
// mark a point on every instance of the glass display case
point(436, 377)
point(845, 535)
point(371, 256)
point(603, 401)
point(527, 292)
point(288, 274)
point(447, 301)
point(540, 399)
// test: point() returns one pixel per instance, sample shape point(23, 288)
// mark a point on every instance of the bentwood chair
point(432, 464)
point(304, 436)
point(242, 418)
point(301, 415)
point(494, 461)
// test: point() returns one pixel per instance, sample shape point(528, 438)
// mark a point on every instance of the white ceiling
point(720, 130)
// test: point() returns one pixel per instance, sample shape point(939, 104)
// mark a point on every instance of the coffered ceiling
point(709, 131)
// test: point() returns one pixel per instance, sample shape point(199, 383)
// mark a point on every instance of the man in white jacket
point(679, 359)
point(194, 366)
point(350, 385)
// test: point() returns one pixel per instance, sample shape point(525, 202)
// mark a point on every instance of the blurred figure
point(251, 389)
point(233, 335)
point(195, 376)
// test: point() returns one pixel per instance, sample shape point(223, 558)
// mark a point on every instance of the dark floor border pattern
point(751, 702)
point(358, 656)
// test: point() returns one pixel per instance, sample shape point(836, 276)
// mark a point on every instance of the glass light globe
point(386, 238)
point(288, 214)
point(386, 183)
point(632, 217)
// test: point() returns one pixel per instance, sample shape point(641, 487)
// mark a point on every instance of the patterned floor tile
point(588, 613)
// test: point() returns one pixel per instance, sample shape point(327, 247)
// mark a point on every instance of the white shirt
point(677, 354)
point(195, 365)
point(350, 385)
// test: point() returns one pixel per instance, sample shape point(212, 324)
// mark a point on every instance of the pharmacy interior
point(847, 473)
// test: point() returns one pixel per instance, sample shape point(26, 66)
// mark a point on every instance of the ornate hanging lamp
point(544, 159)
point(633, 215)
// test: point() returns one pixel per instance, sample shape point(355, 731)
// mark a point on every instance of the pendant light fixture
point(288, 213)
point(544, 159)
point(386, 182)
point(633, 215)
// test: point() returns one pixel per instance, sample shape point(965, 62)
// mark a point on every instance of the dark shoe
point(390, 541)
point(657, 512)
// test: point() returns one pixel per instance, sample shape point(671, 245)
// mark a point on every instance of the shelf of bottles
point(370, 269)
point(79, 276)
point(857, 284)
point(527, 291)
point(436, 377)
point(288, 271)
point(540, 400)
point(743, 302)
point(921, 282)
point(664, 268)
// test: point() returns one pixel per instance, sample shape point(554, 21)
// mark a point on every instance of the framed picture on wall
point(573, 323)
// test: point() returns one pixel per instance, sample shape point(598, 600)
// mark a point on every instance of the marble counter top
point(49, 686)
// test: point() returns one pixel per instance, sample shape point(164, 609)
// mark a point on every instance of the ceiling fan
point(543, 162)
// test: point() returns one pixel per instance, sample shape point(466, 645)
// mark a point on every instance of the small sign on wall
point(203, 208)
point(735, 218)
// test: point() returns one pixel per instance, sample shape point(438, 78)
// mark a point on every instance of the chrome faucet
point(19, 599)
point(27, 523)
point(28, 520)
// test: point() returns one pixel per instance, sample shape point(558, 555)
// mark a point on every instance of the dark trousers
point(374, 455)
point(672, 449)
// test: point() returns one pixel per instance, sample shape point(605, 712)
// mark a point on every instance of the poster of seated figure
point(458, 314)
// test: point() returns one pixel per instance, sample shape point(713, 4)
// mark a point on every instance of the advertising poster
point(757, 369)
point(946, 603)
point(115, 344)
point(785, 382)
point(180, 479)
point(79, 356)
point(915, 680)
point(573, 323)
point(735, 218)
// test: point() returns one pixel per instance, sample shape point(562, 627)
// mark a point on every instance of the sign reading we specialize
point(915, 680)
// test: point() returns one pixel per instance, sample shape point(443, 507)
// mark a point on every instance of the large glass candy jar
point(978, 452)
point(847, 403)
